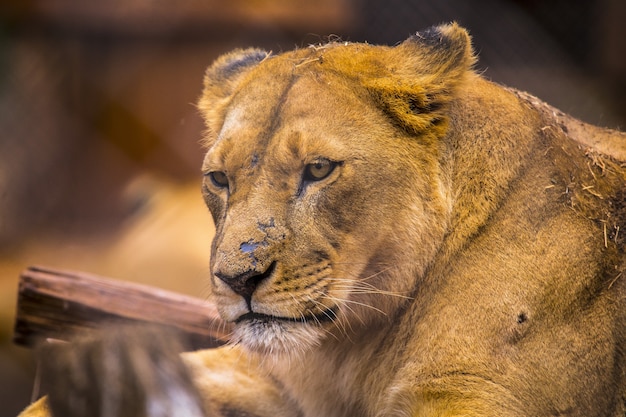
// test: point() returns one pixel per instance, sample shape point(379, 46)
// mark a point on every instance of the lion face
point(319, 195)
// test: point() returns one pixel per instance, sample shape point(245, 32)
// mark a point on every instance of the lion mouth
point(327, 315)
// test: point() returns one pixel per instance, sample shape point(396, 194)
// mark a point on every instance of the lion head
point(323, 174)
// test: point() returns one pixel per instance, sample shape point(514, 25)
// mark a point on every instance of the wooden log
point(55, 304)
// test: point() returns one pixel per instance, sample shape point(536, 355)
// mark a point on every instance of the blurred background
point(99, 153)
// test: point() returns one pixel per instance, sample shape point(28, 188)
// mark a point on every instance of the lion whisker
point(333, 318)
point(358, 287)
point(358, 303)
point(357, 290)
point(391, 294)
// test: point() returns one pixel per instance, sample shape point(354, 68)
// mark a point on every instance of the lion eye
point(319, 170)
point(218, 178)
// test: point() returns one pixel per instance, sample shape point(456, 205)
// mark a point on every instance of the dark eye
point(319, 170)
point(218, 178)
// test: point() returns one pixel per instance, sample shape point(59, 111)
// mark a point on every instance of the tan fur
point(466, 256)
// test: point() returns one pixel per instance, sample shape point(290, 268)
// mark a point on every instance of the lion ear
point(430, 65)
point(221, 80)
point(444, 50)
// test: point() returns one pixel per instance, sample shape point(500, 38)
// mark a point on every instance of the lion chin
point(276, 337)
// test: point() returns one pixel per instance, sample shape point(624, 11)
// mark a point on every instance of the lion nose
point(246, 283)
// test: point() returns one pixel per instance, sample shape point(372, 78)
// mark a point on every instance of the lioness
point(397, 236)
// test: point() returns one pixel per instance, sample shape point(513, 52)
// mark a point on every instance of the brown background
point(99, 154)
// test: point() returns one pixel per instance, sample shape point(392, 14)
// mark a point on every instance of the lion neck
point(342, 377)
point(482, 158)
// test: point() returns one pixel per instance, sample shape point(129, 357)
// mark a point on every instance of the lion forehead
point(296, 125)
